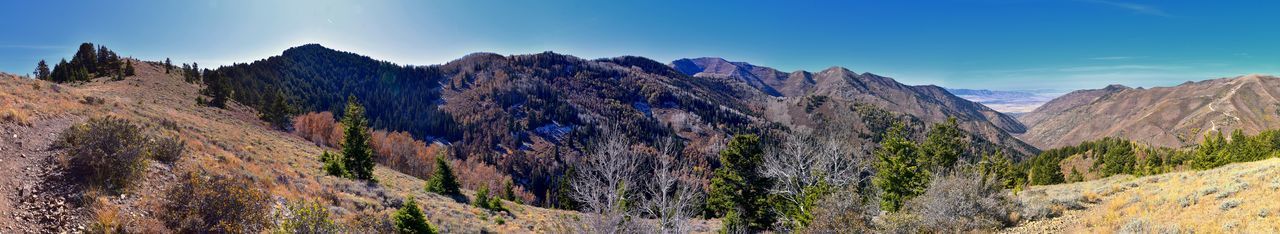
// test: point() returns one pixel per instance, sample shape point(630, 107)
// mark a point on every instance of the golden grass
point(11, 115)
point(1231, 199)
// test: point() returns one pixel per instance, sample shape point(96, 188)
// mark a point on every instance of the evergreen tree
point(738, 189)
point(86, 57)
point(168, 65)
point(61, 72)
point(128, 68)
point(943, 145)
point(409, 219)
point(278, 112)
point(901, 174)
point(42, 70)
point(217, 88)
point(356, 153)
point(509, 192)
point(442, 180)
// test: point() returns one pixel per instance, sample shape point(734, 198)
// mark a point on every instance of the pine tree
point(509, 192)
point(409, 219)
point(943, 145)
point(278, 111)
point(217, 88)
point(128, 68)
point(901, 175)
point(442, 180)
point(61, 72)
point(42, 70)
point(738, 189)
point(356, 153)
point(168, 65)
point(86, 57)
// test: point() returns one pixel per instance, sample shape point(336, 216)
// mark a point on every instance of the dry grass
point(234, 142)
point(11, 115)
point(1228, 199)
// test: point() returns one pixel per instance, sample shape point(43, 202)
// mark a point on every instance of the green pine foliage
point(216, 87)
point(357, 155)
point(738, 189)
point(88, 62)
point(483, 200)
point(442, 180)
point(278, 112)
point(1113, 156)
point(902, 174)
point(943, 145)
point(409, 219)
point(333, 165)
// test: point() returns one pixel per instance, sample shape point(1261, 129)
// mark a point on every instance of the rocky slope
point(1162, 116)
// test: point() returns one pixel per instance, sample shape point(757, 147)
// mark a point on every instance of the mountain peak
point(1116, 87)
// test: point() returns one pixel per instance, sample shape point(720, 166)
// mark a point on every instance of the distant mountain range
point(1008, 102)
point(845, 89)
point(1162, 116)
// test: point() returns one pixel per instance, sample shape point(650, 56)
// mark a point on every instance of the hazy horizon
point(979, 44)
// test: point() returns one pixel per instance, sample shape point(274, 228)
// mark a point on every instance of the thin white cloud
point(1119, 68)
point(1114, 58)
point(1135, 7)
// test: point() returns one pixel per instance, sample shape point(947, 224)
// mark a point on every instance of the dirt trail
point(25, 163)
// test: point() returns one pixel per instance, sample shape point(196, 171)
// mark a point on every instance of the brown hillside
point(221, 142)
point(1163, 116)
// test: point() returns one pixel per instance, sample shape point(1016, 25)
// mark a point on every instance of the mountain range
point(502, 108)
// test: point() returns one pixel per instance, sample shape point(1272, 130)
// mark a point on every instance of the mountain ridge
point(1173, 116)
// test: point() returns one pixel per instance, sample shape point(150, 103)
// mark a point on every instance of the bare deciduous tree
point(808, 158)
point(604, 181)
point(673, 193)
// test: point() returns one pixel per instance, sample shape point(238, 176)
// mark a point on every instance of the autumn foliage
point(319, 128)
point(401, 152)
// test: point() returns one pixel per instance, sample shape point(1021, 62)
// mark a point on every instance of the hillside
point(796, 96)
point(1237, 198)
point(528, 115)
point(1163, 116)
point(219, 142)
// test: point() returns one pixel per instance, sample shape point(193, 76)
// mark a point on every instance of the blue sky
point(991, 44)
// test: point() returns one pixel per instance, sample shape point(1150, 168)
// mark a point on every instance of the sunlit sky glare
point(986, 44)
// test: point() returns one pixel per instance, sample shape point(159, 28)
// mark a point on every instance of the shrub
point(409, 219)
point(484, 201)
point(1138, 225)
point(104, 153)
point(1230, 204)
point(443, 181)
point(168, 150)
point(841, 210)
point(307, 217)
point(962, 200)
point(333, 164)
point(216, 204)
